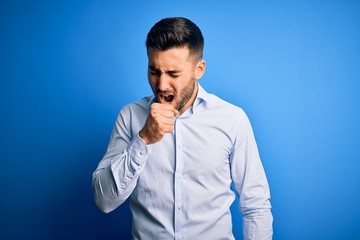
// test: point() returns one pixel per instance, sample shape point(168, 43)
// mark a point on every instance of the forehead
point(172, 57)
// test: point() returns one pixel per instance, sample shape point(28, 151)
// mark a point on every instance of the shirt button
point(180, 238)
point(180, 176)
point(180, 207)
point(141, 152)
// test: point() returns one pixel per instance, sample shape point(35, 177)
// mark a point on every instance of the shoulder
point(142, 104)
point(133, 114)
point(134, 110)
point(217, 103)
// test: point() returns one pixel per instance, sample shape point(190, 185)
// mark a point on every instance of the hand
point(159, 122)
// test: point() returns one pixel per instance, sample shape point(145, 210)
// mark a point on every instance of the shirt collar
point(202, 99)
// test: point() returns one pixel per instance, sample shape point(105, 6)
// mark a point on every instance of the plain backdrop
point(68, 67)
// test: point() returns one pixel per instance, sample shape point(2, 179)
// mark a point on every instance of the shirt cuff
point(139, 151)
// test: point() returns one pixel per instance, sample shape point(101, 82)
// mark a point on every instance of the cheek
point(149, 76)
point(178, 85)
point(185, 82)
point(152, 86)
point(152, 80)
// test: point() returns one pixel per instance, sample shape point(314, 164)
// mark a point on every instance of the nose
point(163, 82)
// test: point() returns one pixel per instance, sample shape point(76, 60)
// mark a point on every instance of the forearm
point(116, 176)
point(107, 193)
point(257, 224)
point(251, 184)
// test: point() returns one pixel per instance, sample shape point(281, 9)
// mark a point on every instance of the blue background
point(67, 67)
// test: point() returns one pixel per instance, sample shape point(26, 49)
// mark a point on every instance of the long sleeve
point(117, 173)
point(180, 187)
point(251, 184)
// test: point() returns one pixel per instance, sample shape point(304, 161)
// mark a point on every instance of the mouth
point(167, 98)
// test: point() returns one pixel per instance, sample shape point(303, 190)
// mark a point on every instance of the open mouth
point(166, 98)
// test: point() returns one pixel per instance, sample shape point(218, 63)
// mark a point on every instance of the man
point(177, 153)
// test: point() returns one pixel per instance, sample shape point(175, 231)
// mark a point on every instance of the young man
point(176, 154)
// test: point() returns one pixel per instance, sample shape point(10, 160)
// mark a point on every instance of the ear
point(200, 69)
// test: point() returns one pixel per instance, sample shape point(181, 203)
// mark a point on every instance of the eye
point(173, 75)
point(153, 72)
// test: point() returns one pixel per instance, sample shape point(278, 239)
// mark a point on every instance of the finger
point(168, 129)
point(162, 106)
point(164, 109)
point(161, 115)
point(166, 113)
point(168, 121)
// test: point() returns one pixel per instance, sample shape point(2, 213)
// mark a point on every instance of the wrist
point(143, 137)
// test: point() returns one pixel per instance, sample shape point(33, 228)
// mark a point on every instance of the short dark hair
point(176, 32)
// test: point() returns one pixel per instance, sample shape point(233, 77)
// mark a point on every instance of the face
point(173, 76)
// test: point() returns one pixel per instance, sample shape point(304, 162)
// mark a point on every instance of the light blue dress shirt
point(180, 187)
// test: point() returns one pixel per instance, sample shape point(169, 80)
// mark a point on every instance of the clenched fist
point(160, 121)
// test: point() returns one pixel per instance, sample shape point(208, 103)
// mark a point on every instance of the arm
point(251, 184)
point(117, 173)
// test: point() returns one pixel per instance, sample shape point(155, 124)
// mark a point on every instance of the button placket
point(178, 183)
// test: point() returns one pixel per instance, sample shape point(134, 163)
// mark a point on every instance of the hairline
point(195, 55)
